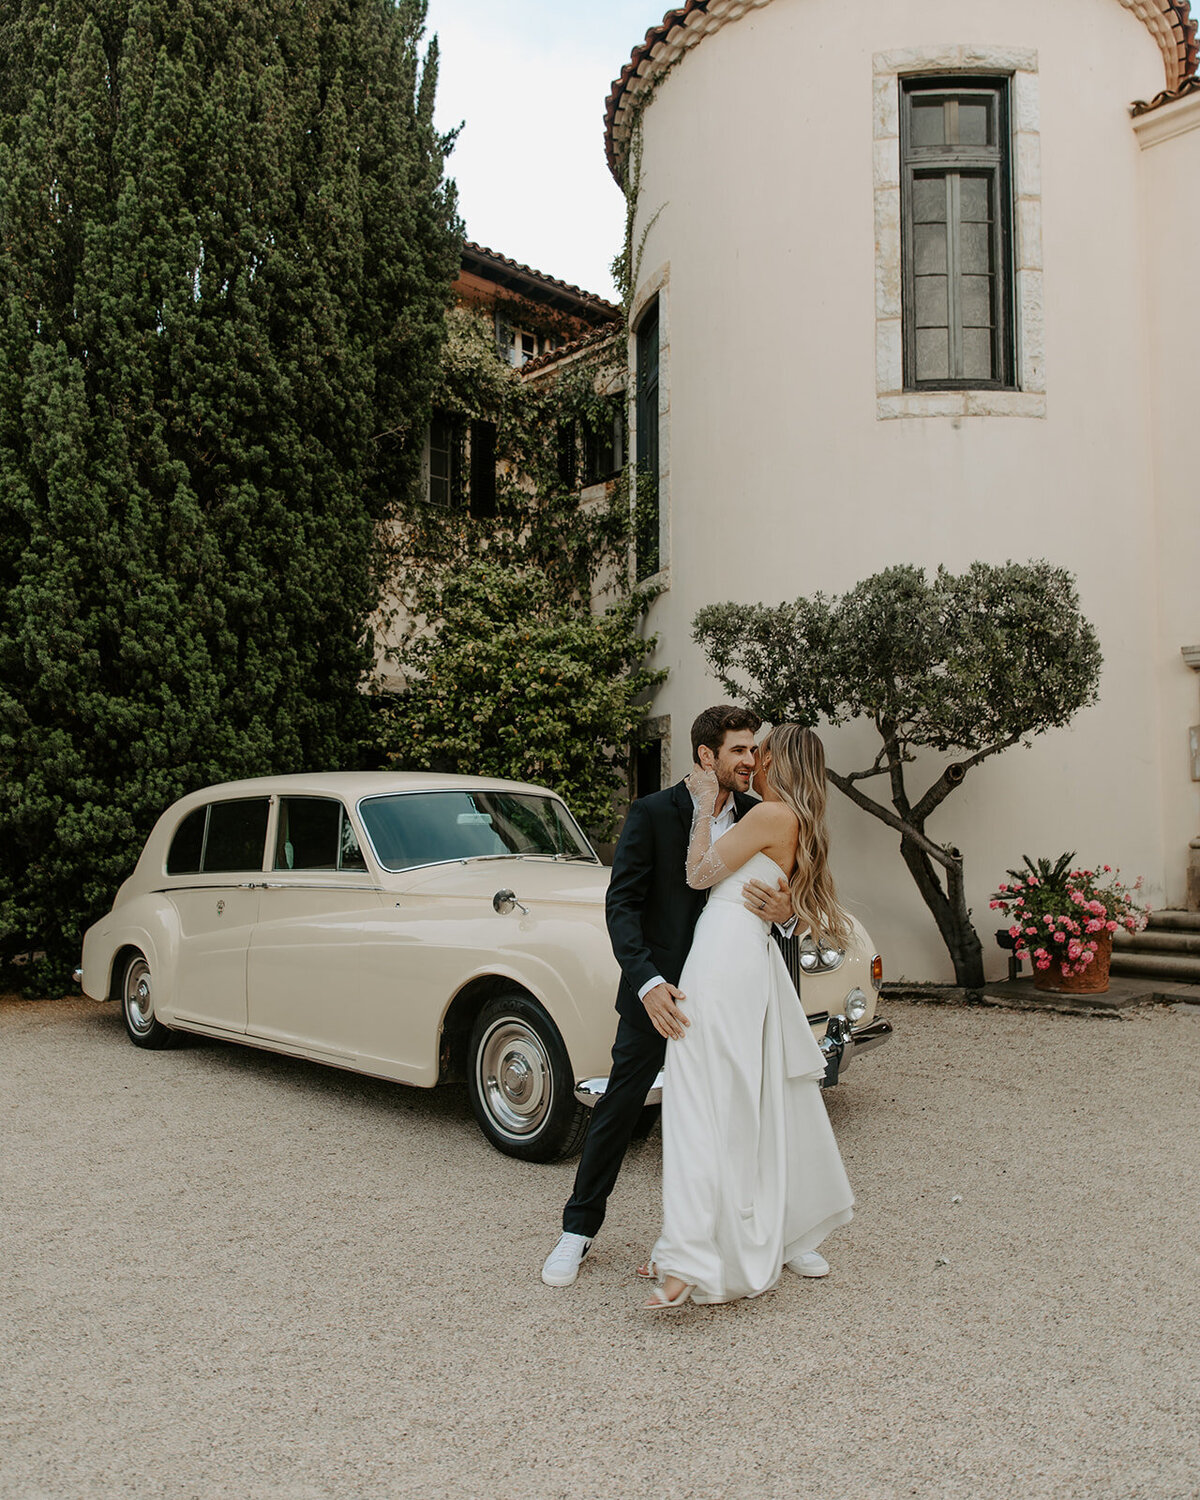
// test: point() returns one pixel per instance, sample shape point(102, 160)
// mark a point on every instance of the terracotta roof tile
point(1170, 22)
point(598, 305)
point(1167, 96)
point(564, 351)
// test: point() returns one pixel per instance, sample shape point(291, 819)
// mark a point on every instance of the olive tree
point(964, 665)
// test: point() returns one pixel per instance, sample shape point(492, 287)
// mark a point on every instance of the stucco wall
point(758, 161)
point(1170, 141)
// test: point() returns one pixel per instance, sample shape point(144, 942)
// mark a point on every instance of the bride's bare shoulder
point(776, 816)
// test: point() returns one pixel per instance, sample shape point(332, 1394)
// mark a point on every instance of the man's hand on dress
point(665, 1016)
point(772, 903)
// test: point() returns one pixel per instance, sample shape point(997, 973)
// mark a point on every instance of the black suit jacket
point(650, 909)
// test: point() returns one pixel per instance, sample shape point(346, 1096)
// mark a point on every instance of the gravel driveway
point(228, 1274)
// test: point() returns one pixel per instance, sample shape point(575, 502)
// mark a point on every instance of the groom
point(651, 913)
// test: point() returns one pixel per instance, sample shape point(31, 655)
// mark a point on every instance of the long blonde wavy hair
point(796, 774)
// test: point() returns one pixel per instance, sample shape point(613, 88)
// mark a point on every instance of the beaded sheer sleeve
point(705, 867)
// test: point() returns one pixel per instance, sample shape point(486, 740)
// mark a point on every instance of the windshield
point(429, 828)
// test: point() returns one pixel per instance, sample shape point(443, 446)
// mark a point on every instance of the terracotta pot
point(1093, 980)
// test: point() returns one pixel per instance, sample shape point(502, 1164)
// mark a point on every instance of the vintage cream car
point(416, 927)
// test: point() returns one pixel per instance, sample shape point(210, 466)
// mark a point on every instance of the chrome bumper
point(841, 1042)
point(77, 976)
point(589, 1091)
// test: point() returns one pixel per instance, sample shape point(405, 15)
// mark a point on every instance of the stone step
point(1174, 921)
point(1175, 966)
point(1156, 940)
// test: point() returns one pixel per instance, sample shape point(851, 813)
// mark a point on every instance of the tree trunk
point(950, 912)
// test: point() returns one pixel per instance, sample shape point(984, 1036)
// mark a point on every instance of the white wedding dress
point(751, 1170)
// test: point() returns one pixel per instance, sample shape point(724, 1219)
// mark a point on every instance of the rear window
point(220, 838)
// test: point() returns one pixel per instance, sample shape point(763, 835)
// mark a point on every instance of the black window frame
point(951, 163)
point(648, 516)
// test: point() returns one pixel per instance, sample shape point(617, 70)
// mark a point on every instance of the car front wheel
point(137, 1007)
point(520, 1081)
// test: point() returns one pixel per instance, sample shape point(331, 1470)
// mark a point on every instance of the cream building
point(824, 394)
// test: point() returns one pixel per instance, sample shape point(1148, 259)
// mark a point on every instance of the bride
point(752, 1178)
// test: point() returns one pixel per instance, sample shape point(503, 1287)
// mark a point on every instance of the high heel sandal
point(648, 1272)
point(660, 1302)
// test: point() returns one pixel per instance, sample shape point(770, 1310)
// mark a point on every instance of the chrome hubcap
point(513, 1077)
point(139, 997)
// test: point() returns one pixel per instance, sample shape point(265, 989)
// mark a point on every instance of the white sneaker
point(808, 1263)
point(562, 1264)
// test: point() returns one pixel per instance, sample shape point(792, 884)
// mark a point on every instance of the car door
point(302, 982)
point(214, 869)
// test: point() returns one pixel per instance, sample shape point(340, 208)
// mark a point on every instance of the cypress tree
point(226, 248)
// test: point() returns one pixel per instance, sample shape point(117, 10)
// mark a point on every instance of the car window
point(425, 828)
point(188, 844)
point(236, 834)
point(314, 833)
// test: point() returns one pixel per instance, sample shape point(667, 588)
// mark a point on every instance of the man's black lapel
point(742, 804)
point(683, 805)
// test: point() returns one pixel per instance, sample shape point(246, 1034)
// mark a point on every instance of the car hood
point(529, 880)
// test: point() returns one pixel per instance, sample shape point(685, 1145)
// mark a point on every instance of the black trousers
point(637, 1056)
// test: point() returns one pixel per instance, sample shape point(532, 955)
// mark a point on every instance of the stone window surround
point(891, 399)
point(656, 285)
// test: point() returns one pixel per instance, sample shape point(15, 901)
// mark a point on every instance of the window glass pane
point(351, 854)
point(974, 122)
point(932, 307)
point(976, 301)
point(973, 199)
point(933, 354)
point(929, 121)
point(977, 353)
point(974, 250)
point(236, 834)
point(307, 835)
point(929, 249)
point(186, 846)
point(929, 200)
point(425, 828)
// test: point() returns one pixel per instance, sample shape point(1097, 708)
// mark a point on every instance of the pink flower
point(1095, 925)
point(1014, 932)
point(1108, 869)
point(1043, 963)
point(1097, 907)
point(1003, 887)
point(1060, 937)
point(994, 906)
point(1033, 880)
point(1111, 926)
point(1074, 949)
point(1031, 932)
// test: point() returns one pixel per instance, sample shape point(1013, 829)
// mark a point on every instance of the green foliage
point(959, 662)
point(226, 248)
point(538, 519)
point(975, 662)
point(516, 682)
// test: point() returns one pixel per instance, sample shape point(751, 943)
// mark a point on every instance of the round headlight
point(831, 957)
point(856, 1006)
point(808, 960)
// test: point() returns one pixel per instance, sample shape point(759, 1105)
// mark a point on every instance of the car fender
point(585, 1021)
point(148, 923)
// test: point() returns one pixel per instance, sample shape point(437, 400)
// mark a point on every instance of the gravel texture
point(230, 1274)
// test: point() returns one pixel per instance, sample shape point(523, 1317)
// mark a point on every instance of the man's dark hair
point(714, 724)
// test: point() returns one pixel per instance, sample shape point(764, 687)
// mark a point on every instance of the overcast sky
point(528, 79)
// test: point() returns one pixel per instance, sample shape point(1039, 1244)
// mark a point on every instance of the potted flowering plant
point(1063, 920)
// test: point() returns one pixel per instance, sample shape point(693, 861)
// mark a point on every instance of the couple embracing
point(752, 1178)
